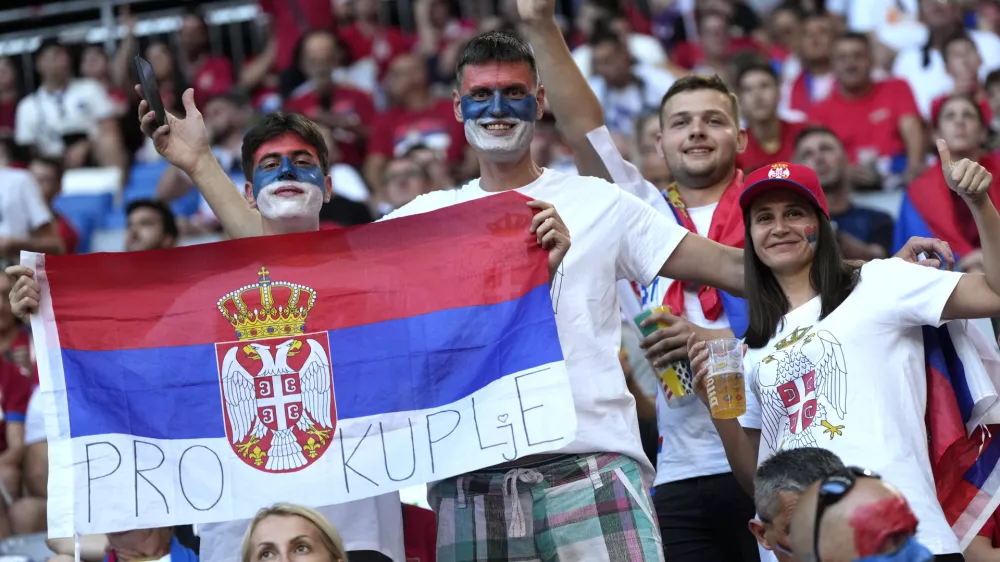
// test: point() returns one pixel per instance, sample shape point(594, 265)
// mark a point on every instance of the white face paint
point(500, 146)
point(296, 200)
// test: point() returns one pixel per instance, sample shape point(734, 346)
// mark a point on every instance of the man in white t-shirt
point(68, 118)
point(616, 237)
point(25, 220)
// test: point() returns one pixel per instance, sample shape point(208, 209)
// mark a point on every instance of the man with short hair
point(778, 484)
point(48, 174)
point(815, 80)
point(150, 225)
point(863, 233)
point(769, 138)
point(404, 180)
point(26, 223)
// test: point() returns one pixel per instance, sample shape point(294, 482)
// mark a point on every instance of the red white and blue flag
point(962, 375)
point(202, 383)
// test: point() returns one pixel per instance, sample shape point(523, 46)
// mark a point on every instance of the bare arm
point(109, 148)
point(255, 71)
point(570, 97)
point(14, 455)
point(981, 550)
point(237, 218)
point(173, 185)
point(700, 260)
point(45, 240)
point(741, 445)
point(911, 128)
point(93, 548)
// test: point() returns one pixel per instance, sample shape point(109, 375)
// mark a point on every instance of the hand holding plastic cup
point(724, 385)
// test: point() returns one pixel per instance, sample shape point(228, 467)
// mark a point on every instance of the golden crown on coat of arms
point(255, 314)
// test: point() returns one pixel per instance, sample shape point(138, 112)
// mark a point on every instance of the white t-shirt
point(855, 384)
point(22, 210)
point(615, 236)
point(368, 524)
point(691, 446)
point(43, 117)
point(929, 82)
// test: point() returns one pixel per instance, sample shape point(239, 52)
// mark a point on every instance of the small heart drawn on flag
point(502, 418)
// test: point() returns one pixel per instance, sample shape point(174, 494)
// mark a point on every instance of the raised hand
point(536, 10)
point(965, 177)
point(181, 141)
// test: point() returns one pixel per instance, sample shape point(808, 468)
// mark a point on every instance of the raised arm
point(975, 295)
point(184, 143)
point(574, 104)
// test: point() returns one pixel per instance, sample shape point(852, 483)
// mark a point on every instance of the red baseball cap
point(784, 175)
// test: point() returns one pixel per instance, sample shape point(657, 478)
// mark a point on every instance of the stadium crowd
point(855, 90)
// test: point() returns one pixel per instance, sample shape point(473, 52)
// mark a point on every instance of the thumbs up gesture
point(965, 177)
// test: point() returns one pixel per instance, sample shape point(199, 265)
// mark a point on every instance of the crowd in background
point(852, 88)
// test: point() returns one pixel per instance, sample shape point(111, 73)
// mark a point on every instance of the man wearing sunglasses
point(855, 517)
point(778, 485)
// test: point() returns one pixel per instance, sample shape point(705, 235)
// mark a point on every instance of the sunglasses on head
point(831, 490)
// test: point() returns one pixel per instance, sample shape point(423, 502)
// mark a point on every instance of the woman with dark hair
point(836, 355)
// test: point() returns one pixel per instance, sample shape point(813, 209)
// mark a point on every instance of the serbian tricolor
point(199, 384)
point(962, 375)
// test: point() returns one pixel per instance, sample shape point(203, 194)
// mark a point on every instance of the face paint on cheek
point(498, 107)
point(287, 171)
point(811, 236)
point(876, 522)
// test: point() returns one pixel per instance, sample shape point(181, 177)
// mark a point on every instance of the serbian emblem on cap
point(778, 171)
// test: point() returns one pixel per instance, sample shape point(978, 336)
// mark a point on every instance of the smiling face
point(288, 181)
point(499, 104)
point(700, 137)
point(783, 227)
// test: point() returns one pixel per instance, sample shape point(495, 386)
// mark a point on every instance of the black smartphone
point(150, 89)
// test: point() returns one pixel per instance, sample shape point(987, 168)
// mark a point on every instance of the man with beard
point(498, 100)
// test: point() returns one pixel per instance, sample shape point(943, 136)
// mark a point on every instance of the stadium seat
point(85, 213)
point(30, 548)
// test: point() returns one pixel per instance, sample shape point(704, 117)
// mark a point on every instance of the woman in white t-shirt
point(835, 354)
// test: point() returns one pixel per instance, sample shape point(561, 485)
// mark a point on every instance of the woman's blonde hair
point(328, 533)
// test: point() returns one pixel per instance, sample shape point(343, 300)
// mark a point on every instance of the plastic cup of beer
point(724, 382)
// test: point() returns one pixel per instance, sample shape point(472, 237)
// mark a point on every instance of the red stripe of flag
point(477, 253)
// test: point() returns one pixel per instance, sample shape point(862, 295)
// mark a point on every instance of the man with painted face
point(859, 519)
point(542, 507)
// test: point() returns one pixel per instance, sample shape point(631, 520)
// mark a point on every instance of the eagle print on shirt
point(802, 386)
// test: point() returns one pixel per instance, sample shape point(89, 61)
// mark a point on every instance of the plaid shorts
point(572, 508)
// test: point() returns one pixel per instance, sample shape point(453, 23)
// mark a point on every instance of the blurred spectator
point(289, 20)
point(69, 118)
point(769, 139)
point(25, 221)
point(208, 74)
point(15, 392)
point(367, 37)
point(884, 135)
point(962, 61)
point(48, 173)
point(226, 117)
point(441, 34)
point(594, 14)
point(10, 94)
point(992, 87)
point(715, 47)
point(652, 166)
point(783, 32)
point(814, 81)
point(864, 234)
point(548, 149)
point(436, 166)
point(404, 181)
point(95, 65)
point(159, 544)
point(350, 203)
point(345, 110)
point(626, 89)
point(677, 25)
point(150, 226)
point(930, 207)
point(923, 66)
point(414, 118)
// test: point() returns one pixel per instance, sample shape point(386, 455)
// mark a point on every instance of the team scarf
point(727, 229)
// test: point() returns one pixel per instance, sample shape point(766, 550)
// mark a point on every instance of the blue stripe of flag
point(410, 364)
point(940, 354)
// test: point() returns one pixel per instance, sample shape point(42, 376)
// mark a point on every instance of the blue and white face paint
point(499, 114)
point(288, 182)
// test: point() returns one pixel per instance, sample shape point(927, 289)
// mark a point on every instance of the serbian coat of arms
point(277, 383)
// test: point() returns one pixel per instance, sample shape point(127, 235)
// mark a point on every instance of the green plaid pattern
point(576, 508)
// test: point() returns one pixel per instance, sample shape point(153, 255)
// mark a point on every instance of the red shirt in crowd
point(870, 122)
point(399, 129)
point(419, 534)
point(212, 77)
point(386, 44)
point(15, 392)
point(756, 156)
point(8, 108)
point(68, 234)
point(290, 19)
point(345, 101)
point(689, 53)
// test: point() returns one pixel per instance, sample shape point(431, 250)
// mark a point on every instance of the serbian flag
point(962, 374)
point(199, 384)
